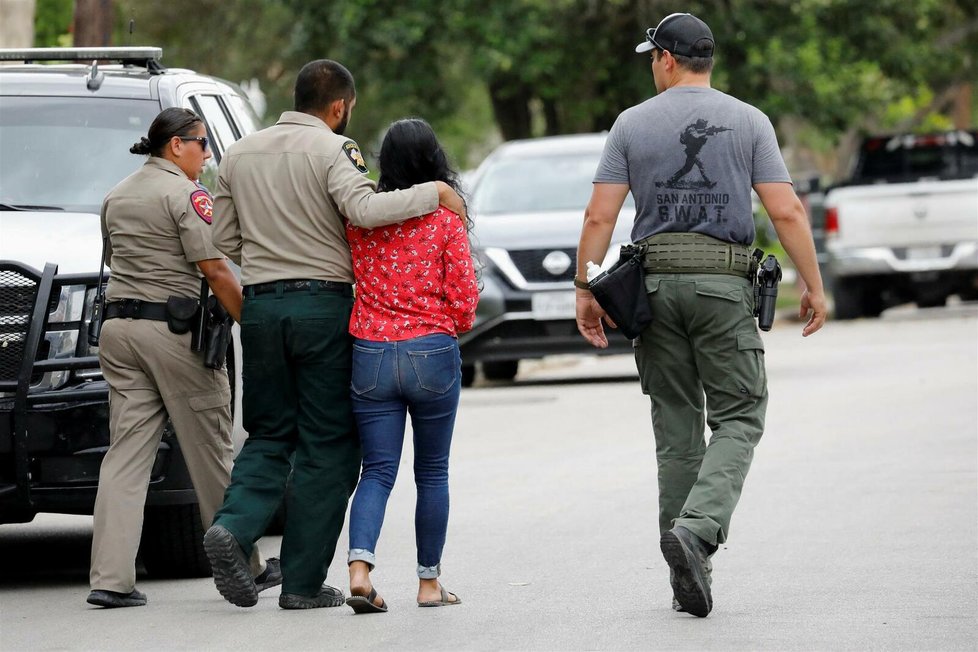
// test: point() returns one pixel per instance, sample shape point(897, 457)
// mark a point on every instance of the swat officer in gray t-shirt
point(690, 156)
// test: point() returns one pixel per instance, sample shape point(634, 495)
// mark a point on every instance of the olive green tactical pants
point(701, 362)
point(296, 406)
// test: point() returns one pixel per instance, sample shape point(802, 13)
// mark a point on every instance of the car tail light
point(832, 221)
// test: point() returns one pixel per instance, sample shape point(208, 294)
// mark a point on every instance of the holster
point(180, 314)
point(217, 334)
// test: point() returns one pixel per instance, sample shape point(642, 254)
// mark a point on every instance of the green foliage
point(238, 40)
point(52, 23)
point(517, 68)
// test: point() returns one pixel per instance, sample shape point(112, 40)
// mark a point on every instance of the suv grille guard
point(24, 288)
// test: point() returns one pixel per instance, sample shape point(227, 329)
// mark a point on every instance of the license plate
point(553, 305)
point(923, 253)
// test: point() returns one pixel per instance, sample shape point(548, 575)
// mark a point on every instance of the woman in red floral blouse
point(416, 291)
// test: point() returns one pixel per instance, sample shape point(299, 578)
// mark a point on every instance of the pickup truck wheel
point(848, 297)
point(970, 294)
point(931, 301)
point(501, 369)
point(468, 375)
point(172, 543)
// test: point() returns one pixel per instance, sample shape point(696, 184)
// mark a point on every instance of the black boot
point(688, 559)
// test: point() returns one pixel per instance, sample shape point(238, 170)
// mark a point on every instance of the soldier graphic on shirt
point(693, 138)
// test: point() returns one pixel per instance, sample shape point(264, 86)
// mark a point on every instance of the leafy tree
point(824, 70)
point(52, 23)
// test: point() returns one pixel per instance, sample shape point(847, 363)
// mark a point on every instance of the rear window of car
point(535, 184)
point(66, 152)
point(907, 158)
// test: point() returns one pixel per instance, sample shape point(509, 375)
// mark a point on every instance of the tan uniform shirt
point(282, 195)
point(158, 225)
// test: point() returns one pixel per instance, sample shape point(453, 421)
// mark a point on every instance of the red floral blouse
point(414, 278)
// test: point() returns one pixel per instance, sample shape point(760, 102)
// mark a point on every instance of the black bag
point(217, 334)
point(621, 292)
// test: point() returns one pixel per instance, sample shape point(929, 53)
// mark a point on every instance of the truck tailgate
point(907, 214)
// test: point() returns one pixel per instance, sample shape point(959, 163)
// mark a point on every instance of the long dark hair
point(169, 123)
point(411, 154)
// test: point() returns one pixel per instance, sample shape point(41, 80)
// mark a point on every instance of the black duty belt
point(135, 309)
point(695, 253)
point(310, 285)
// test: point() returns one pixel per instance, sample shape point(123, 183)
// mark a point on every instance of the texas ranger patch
point(352, 151)
point(202, 203)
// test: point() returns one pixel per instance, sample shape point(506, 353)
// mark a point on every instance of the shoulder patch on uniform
point(201, 201)
point(352, 151)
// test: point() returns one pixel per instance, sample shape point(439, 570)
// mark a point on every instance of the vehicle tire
point(500, 369)
point(848, 297)
point(932, 301)
point(172, 543)
point(969, 294)
point(468, 375)
point(872, 302)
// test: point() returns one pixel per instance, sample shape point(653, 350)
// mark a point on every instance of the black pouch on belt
point(180, 313)
point(621, 292)
point(217, 334)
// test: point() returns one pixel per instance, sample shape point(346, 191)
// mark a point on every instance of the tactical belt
point(135, 309)
point(313, 286)
point(695, 253)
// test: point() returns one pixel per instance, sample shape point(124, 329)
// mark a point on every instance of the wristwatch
point(584, 285)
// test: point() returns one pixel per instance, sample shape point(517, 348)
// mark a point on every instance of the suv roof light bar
point(146, 56)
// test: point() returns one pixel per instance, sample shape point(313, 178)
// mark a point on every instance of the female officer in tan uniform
point(157, 222)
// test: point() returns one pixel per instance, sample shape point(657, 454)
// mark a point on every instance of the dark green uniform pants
point(702, 343)
point(296, 374)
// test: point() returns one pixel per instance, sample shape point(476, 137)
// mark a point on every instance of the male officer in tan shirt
point(280, 205)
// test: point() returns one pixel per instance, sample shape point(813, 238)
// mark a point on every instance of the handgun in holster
point(217, 334)
point(212, 333)
point(766, 283)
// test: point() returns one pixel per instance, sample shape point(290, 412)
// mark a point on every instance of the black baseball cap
point(680, 34)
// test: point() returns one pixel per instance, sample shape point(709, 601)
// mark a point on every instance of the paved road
point(857, 530)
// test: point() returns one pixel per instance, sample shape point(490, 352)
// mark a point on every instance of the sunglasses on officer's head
point(200, 139)
point(648, 37)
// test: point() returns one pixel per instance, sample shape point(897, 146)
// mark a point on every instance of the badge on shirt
point(202, 203)
point(352, 151)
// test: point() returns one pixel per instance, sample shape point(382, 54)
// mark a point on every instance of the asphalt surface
point(858, 527)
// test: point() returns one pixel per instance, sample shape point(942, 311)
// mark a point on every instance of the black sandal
point(365, 605)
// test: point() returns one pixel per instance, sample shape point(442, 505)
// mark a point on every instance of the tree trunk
point(17, 26)
point(962, 107)
point(551, 117)
point(93, 23)
point(511, 107)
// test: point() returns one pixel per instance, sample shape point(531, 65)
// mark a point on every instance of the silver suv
point(65, 132)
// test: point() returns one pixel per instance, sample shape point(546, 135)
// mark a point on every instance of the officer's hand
point(813, 306)
point(589, 316)
point(450, 199)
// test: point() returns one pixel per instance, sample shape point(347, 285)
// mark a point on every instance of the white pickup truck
point(905, 226)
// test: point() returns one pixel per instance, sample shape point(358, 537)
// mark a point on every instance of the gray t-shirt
point(690, 156)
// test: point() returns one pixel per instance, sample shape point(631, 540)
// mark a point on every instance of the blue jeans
point(420, 376)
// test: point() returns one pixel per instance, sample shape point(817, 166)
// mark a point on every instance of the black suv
point(65, 131)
